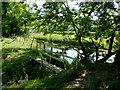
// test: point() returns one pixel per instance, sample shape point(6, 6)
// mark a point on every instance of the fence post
point(44, 46)
point(51, 52)
point(41, 52)
point(31, 43)
point(36, 47)
point(77, 58)
point(63, 50)
point(24, 40)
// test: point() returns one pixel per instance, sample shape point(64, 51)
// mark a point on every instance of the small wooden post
point(41, 52)
point(31, 43)
point(24, 40)
point(63, 50)
point(77, 58)
point(51, 52)
point(36, 47)
point(44, 46)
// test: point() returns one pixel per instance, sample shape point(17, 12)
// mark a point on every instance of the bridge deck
point(50, 66)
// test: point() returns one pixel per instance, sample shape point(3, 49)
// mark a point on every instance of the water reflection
point(93, 57)
point(73, 53)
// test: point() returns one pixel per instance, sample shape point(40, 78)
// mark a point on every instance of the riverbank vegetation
point(90, 32)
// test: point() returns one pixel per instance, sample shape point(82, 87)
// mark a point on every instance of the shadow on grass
point(58, 81)
point(21, 66)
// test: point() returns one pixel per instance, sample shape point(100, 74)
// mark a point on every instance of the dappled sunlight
point(19, 64)
point(60, 45)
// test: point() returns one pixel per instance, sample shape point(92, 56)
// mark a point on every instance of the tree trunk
point(109, 54)
point(96, 47)
point(97, 54)
point(111, 42)
point(83, 49)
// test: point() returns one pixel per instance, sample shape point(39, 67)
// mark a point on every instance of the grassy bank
point(71, 40)
point(90, 76)
point(59, 39)
point(17, 64)
point(49, 82)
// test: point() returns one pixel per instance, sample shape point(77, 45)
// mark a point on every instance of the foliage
point(92, 34)
point(82, 21)
point(15, 18)
point(115, 84)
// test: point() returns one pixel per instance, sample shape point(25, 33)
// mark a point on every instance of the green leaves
point(14, 15)
point(35, 5)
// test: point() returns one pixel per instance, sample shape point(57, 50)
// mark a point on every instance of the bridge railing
point(51, 45)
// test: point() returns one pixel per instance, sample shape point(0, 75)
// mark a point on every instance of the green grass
point(15, 47)
point(64, 33)
point(96, 78)
point(55, 38)
point(50, 82)
point(18, 65)
point(71, 40)
point(65, 41)
point(16, 61)
point(16, 43)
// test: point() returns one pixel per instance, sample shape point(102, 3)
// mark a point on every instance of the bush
point(115, 84)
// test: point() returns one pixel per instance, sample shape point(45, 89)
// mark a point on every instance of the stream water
point(73, 53)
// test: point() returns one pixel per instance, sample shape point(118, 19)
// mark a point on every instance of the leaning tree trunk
point(83, 49)
point(109, 54)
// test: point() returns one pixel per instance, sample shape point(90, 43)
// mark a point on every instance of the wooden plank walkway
point(52, 67)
